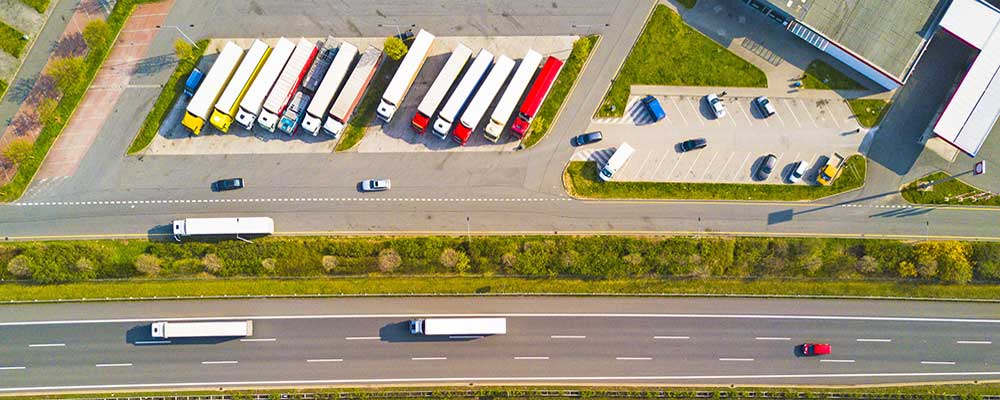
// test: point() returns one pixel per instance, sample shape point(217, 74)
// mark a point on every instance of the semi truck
point(405, 74)
point(445, 79)
point(353, 90)
point(515, 89)
point(189, 227)
point(229, 103)
point(293, 114)
point(320, 104)
point(536, 95)
point(287, 83)
point(324, 57)
point(253, 101)
point(172, 330)
point(460, 96)
point(459, 326)
point(482, 99)
point(200, 108)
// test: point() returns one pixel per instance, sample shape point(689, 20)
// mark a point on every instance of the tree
point(67, 72)
point(388, 260)
point(947, 261)
point(20, 266)
point(459, 262)
point(986, 256)
point(47, 111)
point(330, 264)
point(97, 33)
point(394, 48)
point(213, 264)
point(20, 150)
point(183, 50)
point(148, 264)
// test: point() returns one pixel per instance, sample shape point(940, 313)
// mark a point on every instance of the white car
point(765, 106)
point(800, 170)
point(715, 103)
point(375, 185)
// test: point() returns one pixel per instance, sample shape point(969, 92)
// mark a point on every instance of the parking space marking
point(662, 159)
point(697, 111)
point(679, 112)
point(693, 164)
point(741, 166)
point(792, 112)
point(777, 114)
point(709, 169)
point(729, 116)
point(746, 115)
point(723, 170)
point(641, 166)
point(676, 163)
point(808, 113)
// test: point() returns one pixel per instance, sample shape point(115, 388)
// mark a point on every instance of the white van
point(616, 162)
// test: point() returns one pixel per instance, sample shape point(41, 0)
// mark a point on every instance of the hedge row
point(530, 256)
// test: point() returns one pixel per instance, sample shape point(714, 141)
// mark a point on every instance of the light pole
point(181, 32)
point(398, 32)
point(468, 233)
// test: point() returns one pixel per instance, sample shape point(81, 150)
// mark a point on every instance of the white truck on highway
point(459, 326)
point(405, 74)
point(223, 226)
point(169, 330)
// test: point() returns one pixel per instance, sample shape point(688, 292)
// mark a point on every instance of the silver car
point(716, 104)
point(375, 185)
point(798, 172)
point(765, 106)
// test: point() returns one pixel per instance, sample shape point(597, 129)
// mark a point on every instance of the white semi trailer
point(223, 226)
point(169, 330)
point(405, 74)
point(459, 326)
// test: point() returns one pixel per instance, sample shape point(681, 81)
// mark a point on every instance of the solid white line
point(735, 359)
point(113, 365)
point(974, 342)
point(773, 338)
point(429, 358)
point(938, 362)
point(875, 340)
point(11, 368)
point(260, 340)
point(633, 358)
point(531, 358)
point(153, 342)
point(324, 360)
point(672, 337)
point(567, 337)
point(465, 337)
point(48, 345)
point(362, 338)
point(837, 361)
point(218, 362)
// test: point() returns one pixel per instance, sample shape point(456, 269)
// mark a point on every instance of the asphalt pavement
point(553, 340)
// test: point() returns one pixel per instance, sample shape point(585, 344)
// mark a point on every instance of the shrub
point(868, 265)
point(213, 264)
point(148, 264)
point(394, 48)
point(12, 40)
point(329, 263)
point(48, 113)
point(388, 260)
point(269, 264)
point(986, 256)
point(20, 150)
point(454, 260)
point(97, 33)
point(507, 261)
point(183, 50)
point(20, 266)
point(83, 265)
point(67, 72)
point(906, 269)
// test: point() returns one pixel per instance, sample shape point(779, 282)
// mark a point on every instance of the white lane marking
point(47, 345)
point(567, 337)
point(735, 359)
point(836, 361)
point(772, 338)
point(324, 360)
point(113, 365)
point(465, 337)
point(633, 358)
point(153, 342)
point(875, 340)
point(938, 362)
point(218, 362)
point(672, 337)
point(11, 368)
point(518, 315)
point(362, 338)
point(531, 358)
point(260, 340)
point(694, 163)
point(974, 342)
point(428, 358)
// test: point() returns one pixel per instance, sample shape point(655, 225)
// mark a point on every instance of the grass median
point(947, 189)
point(38, 5)
point(671, 53)
point(12, 41)
point(560, 89)
point(364, 114)
point(869, 112)
point(172, 91)
point(581, 181)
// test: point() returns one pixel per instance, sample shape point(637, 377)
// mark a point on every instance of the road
point(554, 340)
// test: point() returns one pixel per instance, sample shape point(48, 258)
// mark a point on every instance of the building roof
point(886, 33)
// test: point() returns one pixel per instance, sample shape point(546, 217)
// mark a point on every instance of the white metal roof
point(456, 61)
point(974, 107)
point(228, 226)
point(242, 77)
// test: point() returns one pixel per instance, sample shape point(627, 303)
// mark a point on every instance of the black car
point(227, 184)
point(693, 144)
point(766, 166)
point(588, 138)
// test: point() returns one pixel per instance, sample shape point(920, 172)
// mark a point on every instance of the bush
point(67, 72)
point(213, 264)
point(20, 266)
point(906, 269)
point(329, 264)
point(148, 264)
point(38, 5)
point(97, 33)
point(986, 256)
point(183, 50)
point(12, 41)
point(388, 260)
point(48, 112)
point(454, 260)
point(83, 265)
point(20, 150)
point(394, 48)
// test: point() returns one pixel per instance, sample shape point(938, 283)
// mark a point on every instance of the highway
point(98, 346)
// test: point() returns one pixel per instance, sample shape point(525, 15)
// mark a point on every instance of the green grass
point(564, 83)
point(944, 192)
point(688, 4)
point(3, 88)
point(869, 112)
point(365, 111)
point(12, 41)
point(38, 5)
point(172, 90)
point(669, 52)
point(820, 75)
point(581, 181)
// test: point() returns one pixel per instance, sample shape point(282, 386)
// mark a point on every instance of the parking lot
point(809, 129)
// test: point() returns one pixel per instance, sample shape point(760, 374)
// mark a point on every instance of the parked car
point(815, 349)
point(798, 172)
point(765, 106)
point(192, 82)
point(653, 107)
point(405, 36)
point(693, 144)
point(375, 185)
point(716, 104)
point(765, 167)
point(227, 184)
point(588, 138)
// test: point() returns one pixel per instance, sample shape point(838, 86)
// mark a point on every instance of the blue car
point(653, 107)
point(193, 81)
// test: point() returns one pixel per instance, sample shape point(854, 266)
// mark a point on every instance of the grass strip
point(364, 114)
point(12, 41)
point(947, 190)
point(453, 285)
point(3, 88)
point(868, 111)
point(581, 180)
point(557, 95)
point(820, 75)
point(172, 90)
point(671, 53)
point(38, 5)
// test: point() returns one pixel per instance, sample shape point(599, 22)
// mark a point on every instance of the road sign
point(980, 168)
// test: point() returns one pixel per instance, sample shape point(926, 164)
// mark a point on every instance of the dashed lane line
point(633, 358)
point(836, 361)
point(938, 362)
point(324, 360)
point(218, 362)
point(531, 358)
point(735, 359)
point(113, 365)
point(280, 200)
point(567, 337)
point(973, 342)
point(260, 340)
point(47, 345)
point(11, 368)
point(672, 337)
point(874, 340)
point(363, 338)
point(429, 358)
point(783, 339)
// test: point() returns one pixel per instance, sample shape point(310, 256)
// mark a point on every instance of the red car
point(815, 349)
